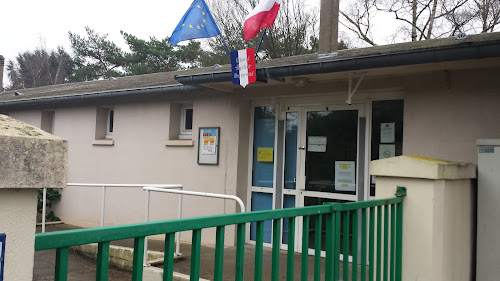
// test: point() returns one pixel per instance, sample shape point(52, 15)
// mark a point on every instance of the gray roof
point(167, 79)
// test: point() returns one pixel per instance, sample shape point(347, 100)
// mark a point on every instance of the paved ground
point(82, 268)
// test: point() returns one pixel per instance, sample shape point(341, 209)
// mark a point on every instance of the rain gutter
point(463, 51)
point(97, 97)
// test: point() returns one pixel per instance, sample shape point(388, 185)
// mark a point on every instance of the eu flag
point(197, 22)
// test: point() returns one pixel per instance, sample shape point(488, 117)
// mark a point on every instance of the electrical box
point(488, 209)
point(2, 254)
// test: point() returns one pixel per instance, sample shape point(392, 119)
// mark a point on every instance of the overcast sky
point(26, 24)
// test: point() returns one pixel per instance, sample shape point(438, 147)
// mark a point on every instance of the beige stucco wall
point(437, 215)
point(443, 118)
point(18, 221)
point(139, 155)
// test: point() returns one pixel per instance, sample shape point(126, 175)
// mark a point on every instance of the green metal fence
point(377, 224)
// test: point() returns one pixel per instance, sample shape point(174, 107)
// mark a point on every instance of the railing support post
point(145, 260)
point(103, 204)
point(44, 208)
point(179, 216)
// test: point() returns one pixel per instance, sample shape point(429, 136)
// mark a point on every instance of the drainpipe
point(2, 62)
point(329, 27)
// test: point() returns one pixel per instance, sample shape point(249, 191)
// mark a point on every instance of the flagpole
point(223, 40)
point(261, 39)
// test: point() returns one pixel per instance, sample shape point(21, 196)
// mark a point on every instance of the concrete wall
point(444, 116)
point(437, 215)
point(30, 159)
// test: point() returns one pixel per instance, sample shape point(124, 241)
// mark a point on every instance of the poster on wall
point(387, 132)
point(208, 146)
point(316, 144)
point(386, 151)
point(345, 175)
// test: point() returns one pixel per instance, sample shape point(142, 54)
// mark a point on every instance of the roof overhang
point(389, 63)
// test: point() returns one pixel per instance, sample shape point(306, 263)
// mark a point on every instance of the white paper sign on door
point(345, 175)
point(316, 144)
point(386, 151)
point(387, 132)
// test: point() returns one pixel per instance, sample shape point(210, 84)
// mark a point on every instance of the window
point(104, 126)
point(180, 127)
point(387, 131)
point(110, 120)
point(48, 121)
point(186, 128)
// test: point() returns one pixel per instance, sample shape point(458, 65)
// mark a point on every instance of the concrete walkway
point(183, 265)
point(80, 268)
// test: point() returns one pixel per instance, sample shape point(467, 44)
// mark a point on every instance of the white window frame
point(185, 134)
point(109, 131)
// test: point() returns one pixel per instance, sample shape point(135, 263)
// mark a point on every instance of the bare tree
point(422, 19)
point(357, 18)
point(294, 32)
point(488, 14)
point(39, 68)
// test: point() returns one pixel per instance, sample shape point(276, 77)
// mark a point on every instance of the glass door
point(320, 159)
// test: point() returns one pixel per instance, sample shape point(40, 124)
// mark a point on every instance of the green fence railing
point(369, 231)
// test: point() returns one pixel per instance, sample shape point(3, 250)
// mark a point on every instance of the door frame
point(281, 107)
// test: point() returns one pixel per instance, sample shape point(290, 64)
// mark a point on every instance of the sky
point(28, 24)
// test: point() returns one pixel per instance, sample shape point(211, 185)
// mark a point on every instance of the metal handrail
point(379, 255)
point(166, 188)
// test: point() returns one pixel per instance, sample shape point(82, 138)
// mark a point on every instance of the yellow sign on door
point(265, 154)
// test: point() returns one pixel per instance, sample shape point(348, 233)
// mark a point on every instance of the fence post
point(437, 225)
point(30, 159)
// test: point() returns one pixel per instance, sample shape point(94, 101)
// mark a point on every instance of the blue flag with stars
point(197, 22)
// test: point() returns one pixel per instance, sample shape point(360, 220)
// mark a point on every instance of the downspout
point(2, 64)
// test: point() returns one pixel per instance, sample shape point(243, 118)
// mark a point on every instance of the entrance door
point(321, 158)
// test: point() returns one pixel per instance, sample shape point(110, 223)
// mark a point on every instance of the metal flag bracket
point(352, 91)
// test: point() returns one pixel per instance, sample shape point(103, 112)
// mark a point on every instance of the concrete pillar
point(329, 26)
point(29, 159)
point(437, 214)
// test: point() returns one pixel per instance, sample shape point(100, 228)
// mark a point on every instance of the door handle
point(302, 147)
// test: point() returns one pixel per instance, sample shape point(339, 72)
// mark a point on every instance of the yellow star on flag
point(198, 6)
point(202, 25)
point(204, 20)
point(190, 26)
point(198, 26)
point(203, 13)
point(183, 24)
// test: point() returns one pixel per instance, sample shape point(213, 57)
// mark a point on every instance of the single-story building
point(303, 134)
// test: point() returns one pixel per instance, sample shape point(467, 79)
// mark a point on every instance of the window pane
point(387, 131)
point(262, 202)
point(188, 123)
point(288, 202)
point(339, 130)
point(263, 146)
point(111, 120)
point(292, 120)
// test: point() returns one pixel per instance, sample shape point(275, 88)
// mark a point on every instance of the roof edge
point(98, 96)
point(463, 51)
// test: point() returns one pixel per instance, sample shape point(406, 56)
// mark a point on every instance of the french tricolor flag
point(262, 16)
point(243, 66)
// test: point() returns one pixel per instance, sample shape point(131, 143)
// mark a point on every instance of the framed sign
point(208, 145)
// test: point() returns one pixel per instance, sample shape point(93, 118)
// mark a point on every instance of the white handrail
point(167, 188)
point(202, 194)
